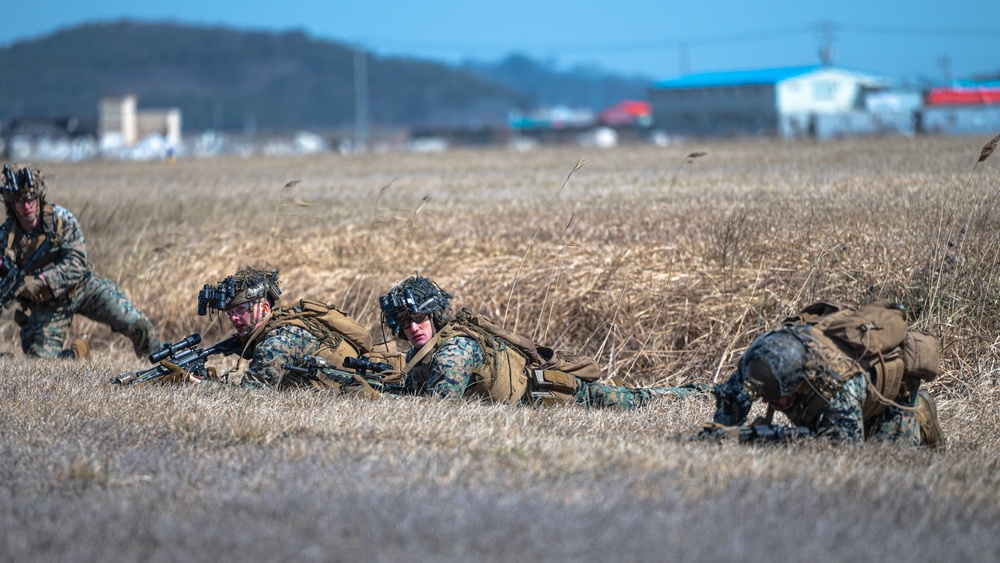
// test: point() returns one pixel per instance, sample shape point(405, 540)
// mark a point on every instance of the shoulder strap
point(427, 348)
point(11, 231)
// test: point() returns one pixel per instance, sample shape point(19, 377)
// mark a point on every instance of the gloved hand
point(175, 375)
point(208, 374)
point(35, 289)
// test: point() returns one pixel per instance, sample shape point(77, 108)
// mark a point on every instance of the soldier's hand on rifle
point(209, 373)
point(176, 374)
point(35, 289)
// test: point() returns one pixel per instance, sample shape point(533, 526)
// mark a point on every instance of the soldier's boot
point(80, 349)
point(927, 419)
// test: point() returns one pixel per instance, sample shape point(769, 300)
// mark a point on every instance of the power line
point(826, 28)
point(919, 31)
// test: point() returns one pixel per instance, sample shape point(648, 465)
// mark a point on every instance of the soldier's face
point(27, 212)
point(418, 330)
point(246, 317)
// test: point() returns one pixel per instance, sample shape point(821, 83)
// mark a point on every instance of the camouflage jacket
point(272, 350)
point(450, 370)
point(65, 265)
point(842, 419)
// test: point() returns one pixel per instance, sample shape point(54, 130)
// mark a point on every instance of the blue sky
point(660, 39)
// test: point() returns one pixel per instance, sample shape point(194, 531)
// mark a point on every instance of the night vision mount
point(216, 297)
point(13, 181)
point(394, 304)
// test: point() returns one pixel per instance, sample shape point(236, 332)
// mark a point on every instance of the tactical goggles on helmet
point(20, 185)
point(397, 308)
point(227, 294)
point(411, 299)
point(216, 297)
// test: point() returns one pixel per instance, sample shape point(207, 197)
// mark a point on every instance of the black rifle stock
point(183, 355)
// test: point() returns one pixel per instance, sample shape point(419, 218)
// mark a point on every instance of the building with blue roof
point(788, 102)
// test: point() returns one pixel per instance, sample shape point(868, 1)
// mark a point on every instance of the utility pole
point(685, 58)
point(360, 99)
point(826, 53)
point(945, 61)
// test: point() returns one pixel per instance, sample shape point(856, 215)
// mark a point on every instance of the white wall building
point(120, 124)
point(785, 102)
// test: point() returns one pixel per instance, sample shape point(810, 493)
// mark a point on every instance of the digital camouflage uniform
point(827, 405)
point(452, 365)
point(75, 289)
point(283, 337)
point(274, 349)
point(842, 420)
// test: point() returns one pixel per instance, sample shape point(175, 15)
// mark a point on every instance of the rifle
point(314, 368)
point(12, 277)
point(753, 433)
point(182, 355)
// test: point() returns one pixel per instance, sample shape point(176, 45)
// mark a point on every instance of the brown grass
point(664, 274)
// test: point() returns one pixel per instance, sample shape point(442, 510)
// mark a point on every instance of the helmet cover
point(413, 296)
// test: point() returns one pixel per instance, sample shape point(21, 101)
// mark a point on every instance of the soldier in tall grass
point(274, 338)
point(850, 376)
point(59, 282)
point(465, 355)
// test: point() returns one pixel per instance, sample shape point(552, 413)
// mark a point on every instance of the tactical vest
point(340, 336)
point(21, 247)
point(25, 246)
point(843, 343)
point(501, 378)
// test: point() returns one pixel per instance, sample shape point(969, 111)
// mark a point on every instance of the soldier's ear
point(265, 307)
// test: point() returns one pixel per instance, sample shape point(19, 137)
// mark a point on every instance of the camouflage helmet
point(774, 365)
point(412, 296)
point(246, 285)
point(21, 183)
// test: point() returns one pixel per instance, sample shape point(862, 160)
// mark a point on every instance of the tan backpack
point(340, 336)
point(876, 339)
point(554, 376)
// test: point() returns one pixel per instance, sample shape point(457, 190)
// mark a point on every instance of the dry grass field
point(661, 266)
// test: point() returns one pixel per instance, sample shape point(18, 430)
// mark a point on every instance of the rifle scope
point(365, 365)
point(171, 349)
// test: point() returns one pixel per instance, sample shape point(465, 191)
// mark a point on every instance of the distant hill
point(228, 79)
point(582, 87)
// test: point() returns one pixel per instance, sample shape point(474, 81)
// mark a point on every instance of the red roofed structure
point(626, 112)
point(963, 96)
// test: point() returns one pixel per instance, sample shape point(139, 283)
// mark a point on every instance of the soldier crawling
point(459, 356)
point(59, 282)
point(274, 338)
point(850, 376)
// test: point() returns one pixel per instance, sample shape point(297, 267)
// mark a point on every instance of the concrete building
point(963, 108)
point(121, 124)
point(116, 120)
point(781, 102)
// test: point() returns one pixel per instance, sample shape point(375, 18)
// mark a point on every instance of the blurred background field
point(662, 263)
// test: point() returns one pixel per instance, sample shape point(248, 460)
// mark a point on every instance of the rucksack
point(554, 375)
point(874, 337)
point(340, 336)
